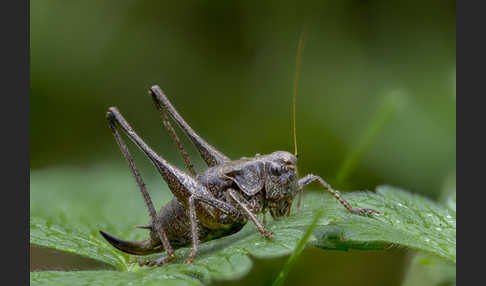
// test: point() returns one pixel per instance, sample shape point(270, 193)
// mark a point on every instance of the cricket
point(218, 201)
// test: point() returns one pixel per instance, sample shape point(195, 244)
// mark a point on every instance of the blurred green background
point(228, 67)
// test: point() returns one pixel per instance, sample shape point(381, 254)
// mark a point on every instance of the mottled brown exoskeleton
point(216, 202)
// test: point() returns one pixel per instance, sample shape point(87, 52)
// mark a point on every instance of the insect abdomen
point(176, 222)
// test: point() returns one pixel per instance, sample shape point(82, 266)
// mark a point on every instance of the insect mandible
point(218, 201)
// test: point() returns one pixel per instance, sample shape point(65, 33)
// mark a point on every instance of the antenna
point(296, 83)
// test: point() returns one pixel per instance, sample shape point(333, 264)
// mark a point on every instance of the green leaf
point(405, 219)
point(45, 234)
point(70, 206)
point(145, 277)
point(429, 270)
point(300, 247)
point(425, 269)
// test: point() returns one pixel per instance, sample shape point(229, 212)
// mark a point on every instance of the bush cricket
point(218, 201)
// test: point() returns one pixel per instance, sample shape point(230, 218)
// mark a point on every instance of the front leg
point(244, 205)
point(310, 178)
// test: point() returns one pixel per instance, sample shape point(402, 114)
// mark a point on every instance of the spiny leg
point(181, 184)
point(210, 154)
point(174, 137)
point(244, 205)
point(310, 178)
point(194, 230)
point(172, 175)
point(155, 219)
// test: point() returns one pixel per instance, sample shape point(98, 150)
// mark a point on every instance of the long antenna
point(296, 83)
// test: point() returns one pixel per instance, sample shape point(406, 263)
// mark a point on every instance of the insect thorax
point(266, 181)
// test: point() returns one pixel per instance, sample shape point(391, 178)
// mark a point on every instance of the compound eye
point(276, 170)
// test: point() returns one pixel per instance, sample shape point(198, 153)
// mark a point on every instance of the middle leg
point(244, 205)
point(194, 230)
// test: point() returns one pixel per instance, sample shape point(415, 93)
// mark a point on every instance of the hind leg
point(184, 187)
point(210, 154)
point(173, 136)
point(148, 201)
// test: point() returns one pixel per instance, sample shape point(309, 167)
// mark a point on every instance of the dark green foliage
point(75, 204)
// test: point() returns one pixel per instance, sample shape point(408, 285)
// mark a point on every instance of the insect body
point(215, 203)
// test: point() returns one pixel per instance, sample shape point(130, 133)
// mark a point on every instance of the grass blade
point(389, 106)
point(298, 251)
